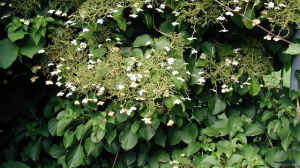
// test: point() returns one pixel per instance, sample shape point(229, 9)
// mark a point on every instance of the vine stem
point(245, 11)
point(116, 158)
point(259, 26)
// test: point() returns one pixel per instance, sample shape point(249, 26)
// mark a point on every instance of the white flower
point(49, 82)
point(41, 51)
point(2, 4)
point(133, 15)
point(131, 110)
point(69, 94)
point(121, 87)
point(175, 23)
point(236, 1)
point(237, 9)
point(191, 38)
point(149, 6)
point(148, 56)
point(58, 12)
point(115, 10)
point(51, 11)
point(141, 92)
point(100, 21)
point(221, 18)
point(201, 80)
point(180, 79)
point(268, 37)
point(194, 51)
point(123, 110)
point(139, 10)
point(26, 22)
point(234, 62)
point(276, 38)
point(76, 102)
point(58, 84)
point(203, 56)
point(147, 120)
point(223, 31)
point(176, 13)
point(282, 5)
point(255, 22)
point(171, 61)
point(224, 86)
point(159, 10)
point(177, 101)
point(148, 43)
point(111, 113)
point(162, 6)
point(100, 103)
point(133, 85)
point(69, 22)
point(60, 94)
point(83, 45)
point(175, 73)
point(85, 30)
point(167, 49)
point(170, 123)
point(85, 101)
point(64, 14)
point(229, 13)
point(270, 5)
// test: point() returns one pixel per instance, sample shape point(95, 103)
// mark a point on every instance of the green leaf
point(190, 133)
point(8, 54)
point(209, 49)
point(128, 139)
point(147, 132)
point(161, 156)
point(174, 136)
point(250, 14)
point(255, 129)
point(14, 164)
point(192, 148)
point(167, 27)
point(142, 40)
point(34, 151)
point(121, 20)
point(52, 126)
point(161, 43)
point(16, 35)
point(160, 138)
point(97, 135)
point(296, 157)
point(77, 157)
point(29, 48)
point(110, 136)
point(254, 87)
point(56, 151)
point(62, 125)
point(68, 138)
point(294, 49)
point(216, 105)
point(89, 146)
point(210, 160)
point(135, 126)
point(235, 158)
point(148, 20)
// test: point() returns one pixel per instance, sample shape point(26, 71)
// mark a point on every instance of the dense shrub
point(152, 83)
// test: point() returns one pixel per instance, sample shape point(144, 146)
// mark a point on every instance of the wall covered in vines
point(149, 83)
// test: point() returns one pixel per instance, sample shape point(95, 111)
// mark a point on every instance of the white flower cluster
point(57, 12)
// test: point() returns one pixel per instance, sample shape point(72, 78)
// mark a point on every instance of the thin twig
point(156, 29)
point(259, 26)
point(246, 8)
point(115, 161)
